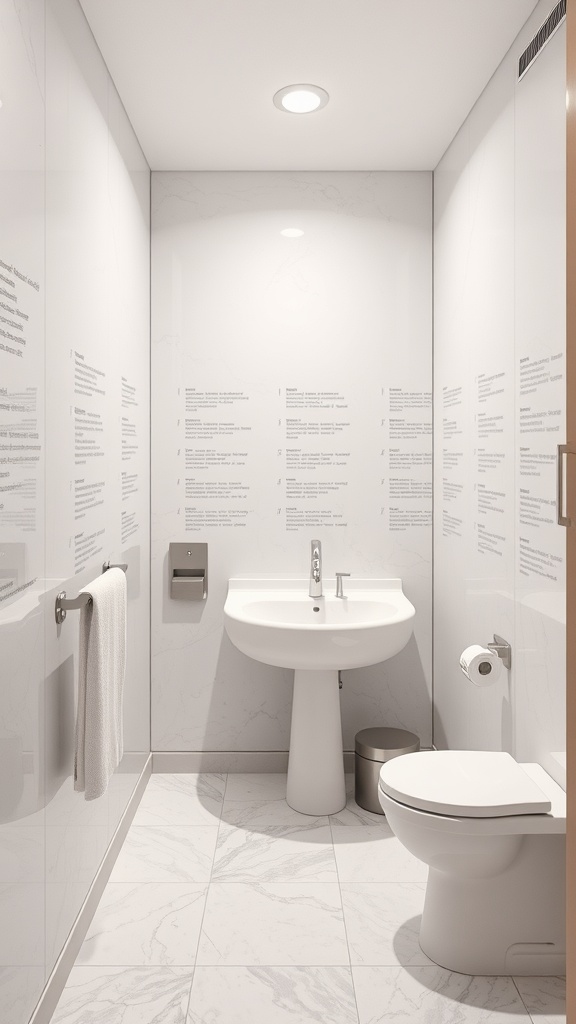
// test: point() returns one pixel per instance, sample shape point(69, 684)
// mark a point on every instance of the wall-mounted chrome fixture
point(315, 588)
point(72, 604)
point(339, 585)
point(188, 571)
point(503, 649)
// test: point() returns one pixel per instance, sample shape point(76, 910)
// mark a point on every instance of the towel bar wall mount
point(65, 604)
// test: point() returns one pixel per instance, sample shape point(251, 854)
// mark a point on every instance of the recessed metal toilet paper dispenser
point(188, 571)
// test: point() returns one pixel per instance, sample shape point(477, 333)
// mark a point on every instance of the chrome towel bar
point(65, 604)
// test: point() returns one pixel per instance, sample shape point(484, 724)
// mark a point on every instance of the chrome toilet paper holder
point(503, 649)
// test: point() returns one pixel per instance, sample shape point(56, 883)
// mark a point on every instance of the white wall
point(75, 214)
point(22, 540)
point(342, 312)
point(499, 198)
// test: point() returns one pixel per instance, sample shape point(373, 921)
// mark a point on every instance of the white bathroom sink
point(275, 621)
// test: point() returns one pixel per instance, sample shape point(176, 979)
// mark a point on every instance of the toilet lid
point(463, 783)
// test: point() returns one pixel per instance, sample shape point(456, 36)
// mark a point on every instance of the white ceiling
point(197, 77)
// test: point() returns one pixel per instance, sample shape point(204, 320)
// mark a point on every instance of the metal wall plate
point(188, 568)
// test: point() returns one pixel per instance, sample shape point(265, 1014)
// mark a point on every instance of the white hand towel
point(102, 661)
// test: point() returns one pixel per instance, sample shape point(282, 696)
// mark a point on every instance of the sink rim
point(295, 590)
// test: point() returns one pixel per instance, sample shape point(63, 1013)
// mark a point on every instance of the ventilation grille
point(541, 38)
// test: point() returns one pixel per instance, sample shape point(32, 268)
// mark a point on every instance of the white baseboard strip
point(57, 980)
point(221, 761)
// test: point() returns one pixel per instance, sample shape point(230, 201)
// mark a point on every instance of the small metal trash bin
point(373, 748)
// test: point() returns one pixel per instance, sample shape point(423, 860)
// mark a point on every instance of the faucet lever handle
point(339, 586)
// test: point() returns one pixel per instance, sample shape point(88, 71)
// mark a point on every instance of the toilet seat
point(463, 784)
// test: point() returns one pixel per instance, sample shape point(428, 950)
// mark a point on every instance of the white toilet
point(493, 833)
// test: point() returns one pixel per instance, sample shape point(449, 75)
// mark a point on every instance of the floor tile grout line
point(220, 967)
point(188, 1001)
point(513, 980)
point(201, 928)
point(344, 923)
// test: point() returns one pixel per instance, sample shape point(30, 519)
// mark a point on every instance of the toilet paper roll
point(480, 665)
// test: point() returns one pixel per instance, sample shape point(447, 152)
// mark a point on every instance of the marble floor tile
point(374, 854)
point(281, 855)
point(383, 923)
point(171, 854)
point(431, 995)
point(353, 814)
point(262, 815)
point(544, 998)
point(274, 923)
point(248, 787)
point(272, 995)
point(124, 995)
point(274, 933)
point(181, 800)
point(147, 923)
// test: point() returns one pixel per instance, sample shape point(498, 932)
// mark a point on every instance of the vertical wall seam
point(515, 439)
point(433, 526)
point(150, 459)
point(45, 488)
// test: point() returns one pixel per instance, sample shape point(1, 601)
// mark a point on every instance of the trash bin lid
point(382, 744)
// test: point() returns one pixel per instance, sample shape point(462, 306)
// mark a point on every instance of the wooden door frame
point(571, 491)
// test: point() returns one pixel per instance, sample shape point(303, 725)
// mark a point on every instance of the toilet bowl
point(493, 834)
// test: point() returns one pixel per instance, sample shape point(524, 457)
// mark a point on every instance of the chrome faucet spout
point(315, 589)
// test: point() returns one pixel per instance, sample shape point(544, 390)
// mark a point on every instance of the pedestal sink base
point(316, 763)
point(276, 622)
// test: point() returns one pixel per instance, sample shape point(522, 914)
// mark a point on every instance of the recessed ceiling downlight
point(292, 232)
point(300, 99)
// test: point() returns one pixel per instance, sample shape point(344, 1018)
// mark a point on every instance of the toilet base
point(509, 923)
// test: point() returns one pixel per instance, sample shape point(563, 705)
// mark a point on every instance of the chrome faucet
point(339, 585)
point(315, 569)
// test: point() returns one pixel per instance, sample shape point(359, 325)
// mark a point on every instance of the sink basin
point(276, 622)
